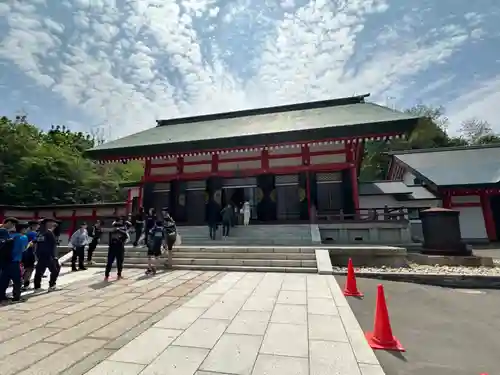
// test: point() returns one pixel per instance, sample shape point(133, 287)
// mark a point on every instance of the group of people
point(228, 217)
point(157, 234)
point(27, 247)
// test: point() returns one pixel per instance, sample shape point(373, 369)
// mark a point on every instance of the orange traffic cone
point(381, 337)
point(351, 287)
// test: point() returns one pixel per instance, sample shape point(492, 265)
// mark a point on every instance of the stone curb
point(450, 281)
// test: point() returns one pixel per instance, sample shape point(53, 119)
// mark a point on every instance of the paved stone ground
point(185, 323)
point(445, 331)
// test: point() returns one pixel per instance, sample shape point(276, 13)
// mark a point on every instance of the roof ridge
point(356, 99)
point(442, 149)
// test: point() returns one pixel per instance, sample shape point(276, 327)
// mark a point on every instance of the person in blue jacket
point(29, 258)
point(12, 270)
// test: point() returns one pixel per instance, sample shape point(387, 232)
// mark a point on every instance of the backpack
point(6, 247)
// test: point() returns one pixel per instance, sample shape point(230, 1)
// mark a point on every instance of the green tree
point(49, 167)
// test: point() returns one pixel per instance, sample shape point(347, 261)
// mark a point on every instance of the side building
point(466, 179)
point(284, 160)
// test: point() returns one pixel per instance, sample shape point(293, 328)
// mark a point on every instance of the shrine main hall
point(283, 160)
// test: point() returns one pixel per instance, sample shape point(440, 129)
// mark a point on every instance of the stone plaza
point(185, 323)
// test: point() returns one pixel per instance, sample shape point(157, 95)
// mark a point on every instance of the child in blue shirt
point(12, 270)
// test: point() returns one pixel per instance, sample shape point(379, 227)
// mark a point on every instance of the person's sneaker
point(74, 269)
point(82, 269)
point(19, 300)
point(119, 277)
point(52, 288)
point(106, 278)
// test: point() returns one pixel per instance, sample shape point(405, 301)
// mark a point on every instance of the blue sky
point(114, 66)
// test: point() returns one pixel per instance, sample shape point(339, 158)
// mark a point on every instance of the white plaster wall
point(380, 201)
point(472, 224)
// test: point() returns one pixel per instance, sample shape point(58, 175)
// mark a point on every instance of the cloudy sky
point(117, 65)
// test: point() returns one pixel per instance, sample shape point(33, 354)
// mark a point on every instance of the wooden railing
point(363, 215)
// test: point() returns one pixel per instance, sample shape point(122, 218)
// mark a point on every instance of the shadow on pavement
point(444, 331)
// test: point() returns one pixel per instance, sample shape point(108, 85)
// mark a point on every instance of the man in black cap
point(46, 250)
point(118, 237)
point(11, 270)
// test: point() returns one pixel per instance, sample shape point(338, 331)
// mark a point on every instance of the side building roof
point(454, 166)
point(327, 119)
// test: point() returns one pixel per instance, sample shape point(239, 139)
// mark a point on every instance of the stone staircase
point(225, 258)
point(252, 235)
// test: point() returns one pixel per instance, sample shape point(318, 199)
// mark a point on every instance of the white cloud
point(129, 66)
point(482, 102)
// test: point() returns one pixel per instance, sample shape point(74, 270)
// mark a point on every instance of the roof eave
point(365, 130)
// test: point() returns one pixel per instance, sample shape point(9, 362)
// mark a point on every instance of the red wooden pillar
point(147, 173)
point(215, 163)
point(128, 206)
point(447, 199)
point(306, 161)
point(489, 222)
point(353, 170)
point(265, 160)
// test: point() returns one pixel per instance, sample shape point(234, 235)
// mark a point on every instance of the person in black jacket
point(138, 223)
point(95, 233)
point(118, 237)
point(46, 251)
point(150, 223)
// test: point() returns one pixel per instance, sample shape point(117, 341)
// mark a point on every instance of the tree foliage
point(41, 168)
point(431, 132)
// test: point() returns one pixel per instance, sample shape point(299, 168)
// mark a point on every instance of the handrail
point(368, 214)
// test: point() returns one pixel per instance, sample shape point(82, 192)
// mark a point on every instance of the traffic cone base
point(394, 345)
point(356, 293)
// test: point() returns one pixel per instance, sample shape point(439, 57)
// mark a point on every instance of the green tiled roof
point(398, 189)
point(383, 187)
point(349, 117)
point(455, 166)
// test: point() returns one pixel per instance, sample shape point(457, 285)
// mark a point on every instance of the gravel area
point(427, 270)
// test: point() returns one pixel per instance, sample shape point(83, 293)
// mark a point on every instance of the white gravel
point(427, 270)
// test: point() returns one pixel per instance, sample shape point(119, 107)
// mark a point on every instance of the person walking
point(213, 220)
point(29, 258)
point(170, 235)
point(138, 222)
point(157, 238)
point(94, 238)
point(78, 241)
point(46, 251)
point(150, 223)
point(6, 230)
point(227, 214)
point(246, 213)
point(118, 237)
point(11, 269)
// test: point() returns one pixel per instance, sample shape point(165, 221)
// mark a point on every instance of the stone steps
point(252, 235)
point(247, 269)
point(228, 258)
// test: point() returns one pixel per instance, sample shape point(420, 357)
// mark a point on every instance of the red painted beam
point(253, 172)
point(240, 159)
point(341, 139)
point(465, 204)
